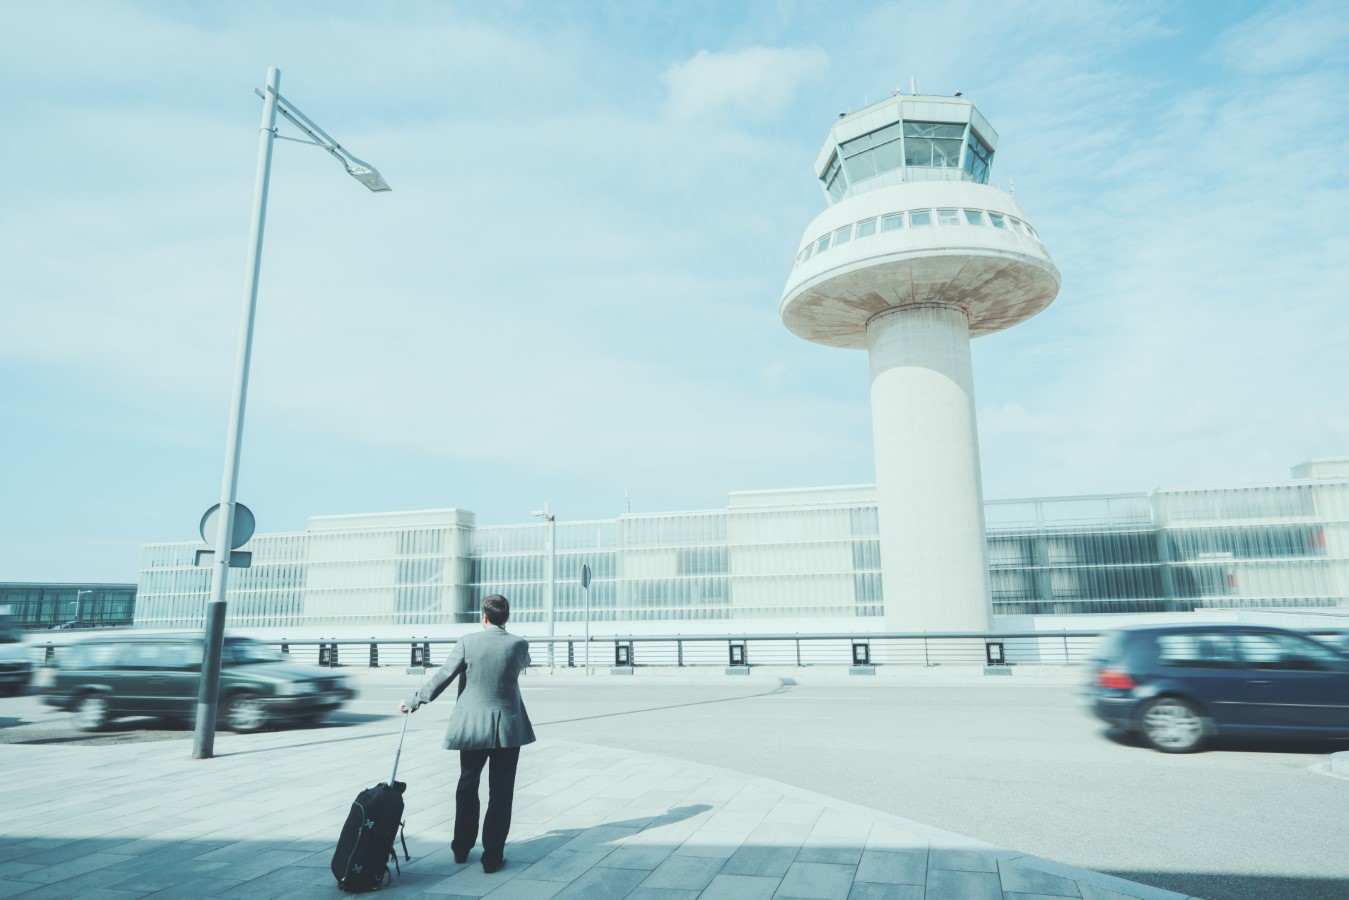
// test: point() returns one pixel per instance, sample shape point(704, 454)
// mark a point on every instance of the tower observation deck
point(915, 255)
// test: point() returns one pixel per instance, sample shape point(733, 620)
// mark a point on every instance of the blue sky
point(572, 290)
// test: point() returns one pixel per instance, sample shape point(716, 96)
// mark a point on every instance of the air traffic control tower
point(915, 255)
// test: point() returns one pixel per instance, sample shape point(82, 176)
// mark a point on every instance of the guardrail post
point(374, 654)
point(1065, 650)
point(49, 659)
point(798, 653)
point(571, 655)
point(679, 653)
point(285, 648)
point(927, 661)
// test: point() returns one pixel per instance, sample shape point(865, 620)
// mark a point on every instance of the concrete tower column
point(928, 484)
point(916, 255)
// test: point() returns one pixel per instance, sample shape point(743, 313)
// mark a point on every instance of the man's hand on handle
point(402, 707)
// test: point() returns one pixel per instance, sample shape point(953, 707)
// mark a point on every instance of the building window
point(932, 144)
point(872, 154)
point(978, 158)
point(974, 216)
point(892, 221)
point(843, 235)
point(823, 245)
point(866, 228)
point(920, 217)
point(835, 181)
point(948, 217)
point(997, 220)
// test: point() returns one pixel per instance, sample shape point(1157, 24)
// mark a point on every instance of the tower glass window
point(892, 221)
point(978, 158)
point(920, 217)
point(932, 144)
point(872, 154)
point(866, 228)
point(835, 181)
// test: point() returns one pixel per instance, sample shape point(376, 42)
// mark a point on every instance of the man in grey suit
point(489, 723)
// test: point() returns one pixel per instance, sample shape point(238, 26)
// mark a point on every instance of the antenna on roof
point(913, 85)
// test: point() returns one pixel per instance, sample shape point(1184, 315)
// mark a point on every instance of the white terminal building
point(915, 255)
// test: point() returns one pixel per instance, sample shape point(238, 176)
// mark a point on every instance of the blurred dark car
point(1179, 685)
point(16, 669)
point(105, 677)
point(71, 626)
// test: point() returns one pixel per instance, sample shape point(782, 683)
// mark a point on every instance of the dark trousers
point(500, 797)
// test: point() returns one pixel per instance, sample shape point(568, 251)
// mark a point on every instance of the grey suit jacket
point(490, 712)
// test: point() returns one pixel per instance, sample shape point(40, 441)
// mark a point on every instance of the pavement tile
point(690, 873)
point(885, 867)
point(10, 888)
point(603, 884)
point(1017, 895)
point(816, 881)
point(864, 891)
point(961, 860)
point(72, 868)
point(947, 884)
point(565, 865)
point(647, 893)
point(472, 881)
point(637, 857)
point(741, 887)
point(1022, 880)
point(15, 869)
point(842, 855)
point(711, 843)
point(524, 889)
point(752, 859)
point(197, 888)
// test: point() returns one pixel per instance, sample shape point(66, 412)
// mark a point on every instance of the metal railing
point(1066, 648)
point(739, 651)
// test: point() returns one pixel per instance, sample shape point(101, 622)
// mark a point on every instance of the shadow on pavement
point(1230, 886)
point(1310, 746)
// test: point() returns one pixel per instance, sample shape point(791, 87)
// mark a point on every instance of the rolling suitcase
point(365, 846)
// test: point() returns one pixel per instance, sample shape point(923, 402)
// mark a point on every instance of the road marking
point(804, 697)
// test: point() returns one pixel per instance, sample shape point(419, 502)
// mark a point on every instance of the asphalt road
point(1021, 766)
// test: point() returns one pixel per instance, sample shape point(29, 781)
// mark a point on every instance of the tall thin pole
point(552, 578)
point(208, 695)
point(587, 629)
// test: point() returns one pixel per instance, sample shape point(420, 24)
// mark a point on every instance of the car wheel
point(1173, 725)
point(91, 712)
point(245, 712)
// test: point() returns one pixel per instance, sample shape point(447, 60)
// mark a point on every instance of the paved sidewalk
point(591, 823)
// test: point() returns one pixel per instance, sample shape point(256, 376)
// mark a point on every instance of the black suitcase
point(365, 846)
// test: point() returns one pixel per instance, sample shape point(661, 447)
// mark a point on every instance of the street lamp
point(79, 613)
point(552, 571)
point(208, 694)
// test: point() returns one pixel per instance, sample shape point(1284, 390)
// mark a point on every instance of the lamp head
point(369, 177)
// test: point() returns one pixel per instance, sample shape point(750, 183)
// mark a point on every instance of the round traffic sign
point(244, 525)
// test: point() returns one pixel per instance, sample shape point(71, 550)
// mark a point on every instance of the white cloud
point(1287, 39)
point(756, 82)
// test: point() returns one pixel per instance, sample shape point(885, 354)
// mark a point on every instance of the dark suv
point(105, 677)
point(1178, 685)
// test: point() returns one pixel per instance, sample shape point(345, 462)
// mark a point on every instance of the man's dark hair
point(497, 609)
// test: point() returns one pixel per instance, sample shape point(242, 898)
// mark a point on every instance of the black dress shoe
point(461, 858)
point(488, 867)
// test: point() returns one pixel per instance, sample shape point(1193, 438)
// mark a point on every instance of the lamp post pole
point(551, 576)
point(79, 612)
point(208, 694)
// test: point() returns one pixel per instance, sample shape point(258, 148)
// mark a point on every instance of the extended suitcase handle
point(396, 755)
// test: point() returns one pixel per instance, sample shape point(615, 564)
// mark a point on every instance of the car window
point(1288, 653)
point(95, 655)
point(1197, 649)
point(243, 653)
point(175, 655)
